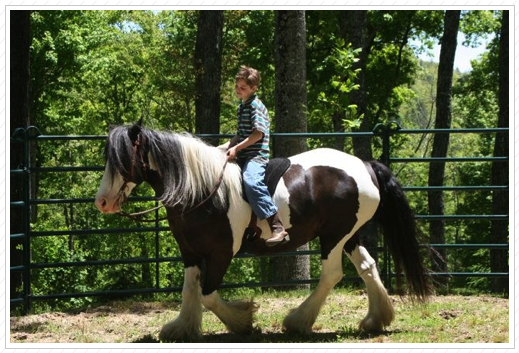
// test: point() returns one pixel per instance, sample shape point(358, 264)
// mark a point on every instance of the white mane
point(203, 167)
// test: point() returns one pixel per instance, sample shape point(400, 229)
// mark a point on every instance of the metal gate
point(23, 137)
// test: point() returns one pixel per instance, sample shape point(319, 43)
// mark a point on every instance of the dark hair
point(249, 75)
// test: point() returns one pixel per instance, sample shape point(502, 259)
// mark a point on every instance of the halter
point(137, 216)
point(136, 145)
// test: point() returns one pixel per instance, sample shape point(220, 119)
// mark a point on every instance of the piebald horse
point(325, 194)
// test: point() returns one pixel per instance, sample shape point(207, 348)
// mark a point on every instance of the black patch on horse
point(276, 167)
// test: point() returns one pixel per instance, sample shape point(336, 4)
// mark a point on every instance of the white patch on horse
point(281, 199)
point(239, 216)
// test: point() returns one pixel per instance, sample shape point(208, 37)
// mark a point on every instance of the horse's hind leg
point(302, 318)
point(380, 312)
point(189, 321)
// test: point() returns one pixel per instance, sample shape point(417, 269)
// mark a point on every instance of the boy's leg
point(260, 200)
point(256, 190)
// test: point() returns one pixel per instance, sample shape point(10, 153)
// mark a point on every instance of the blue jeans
point(256, 190)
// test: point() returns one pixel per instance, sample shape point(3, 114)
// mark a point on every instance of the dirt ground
point(445, 319)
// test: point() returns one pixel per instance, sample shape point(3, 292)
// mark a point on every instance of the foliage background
point(92, 69)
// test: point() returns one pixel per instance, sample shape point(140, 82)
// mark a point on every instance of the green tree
point(91, 69)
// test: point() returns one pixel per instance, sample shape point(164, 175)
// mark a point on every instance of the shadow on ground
point(277, 337)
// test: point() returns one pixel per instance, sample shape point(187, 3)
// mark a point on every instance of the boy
point(250, 147)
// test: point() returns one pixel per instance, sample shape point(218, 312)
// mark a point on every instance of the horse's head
point(126, 166)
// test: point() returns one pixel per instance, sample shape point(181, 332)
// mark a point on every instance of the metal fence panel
point(24, 136)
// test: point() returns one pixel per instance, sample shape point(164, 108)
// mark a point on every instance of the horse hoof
point(172, 332)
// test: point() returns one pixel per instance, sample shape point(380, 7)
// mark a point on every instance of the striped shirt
point(253, 115)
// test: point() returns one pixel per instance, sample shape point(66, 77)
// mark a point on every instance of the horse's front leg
point(189, 321)
point(237, 316)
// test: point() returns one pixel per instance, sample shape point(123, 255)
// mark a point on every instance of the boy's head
point(249, 75)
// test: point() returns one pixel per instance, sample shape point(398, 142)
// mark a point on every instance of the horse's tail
point(400, 232)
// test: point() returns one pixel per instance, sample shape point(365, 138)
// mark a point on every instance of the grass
point(445, 319)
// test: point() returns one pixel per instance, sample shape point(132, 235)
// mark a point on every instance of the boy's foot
point(279, 235)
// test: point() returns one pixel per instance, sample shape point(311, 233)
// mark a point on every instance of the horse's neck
point(156, 183)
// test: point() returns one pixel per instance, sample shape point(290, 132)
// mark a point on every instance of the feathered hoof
point(293, 323)
point(369, 324)
point(242, 317)
point(174, 331)
point(380, 314)
point(374, 323)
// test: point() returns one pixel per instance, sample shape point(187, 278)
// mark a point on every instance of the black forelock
point(165, 149)
point(119, 150)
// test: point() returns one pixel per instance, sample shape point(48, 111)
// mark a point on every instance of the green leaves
point(94, 68)
point(335, 100)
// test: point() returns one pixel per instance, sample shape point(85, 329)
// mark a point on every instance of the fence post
point(21, 135)
point(157, 245)
point(27, 223)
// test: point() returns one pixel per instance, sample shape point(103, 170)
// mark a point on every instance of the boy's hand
point(231, 154)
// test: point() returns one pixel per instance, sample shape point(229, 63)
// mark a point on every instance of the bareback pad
point(276, 167)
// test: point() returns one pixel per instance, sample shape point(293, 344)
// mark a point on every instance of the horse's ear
point(134, 132)
point(139, 122)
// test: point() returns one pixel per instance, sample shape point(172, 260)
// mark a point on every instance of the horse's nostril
point(101, 204)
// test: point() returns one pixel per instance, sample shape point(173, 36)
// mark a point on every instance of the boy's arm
point(233, 141)
point(254, 137)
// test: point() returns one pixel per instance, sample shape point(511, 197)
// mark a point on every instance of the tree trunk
point(499, 229)
point(208, 71)
point(19, 86)
point(290, 93)
point(353, 28)
point(441, 141)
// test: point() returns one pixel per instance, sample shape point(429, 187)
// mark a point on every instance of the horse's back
point(346, 166)
point(324, 157)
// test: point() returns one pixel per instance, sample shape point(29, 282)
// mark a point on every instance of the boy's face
point(243, 90)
